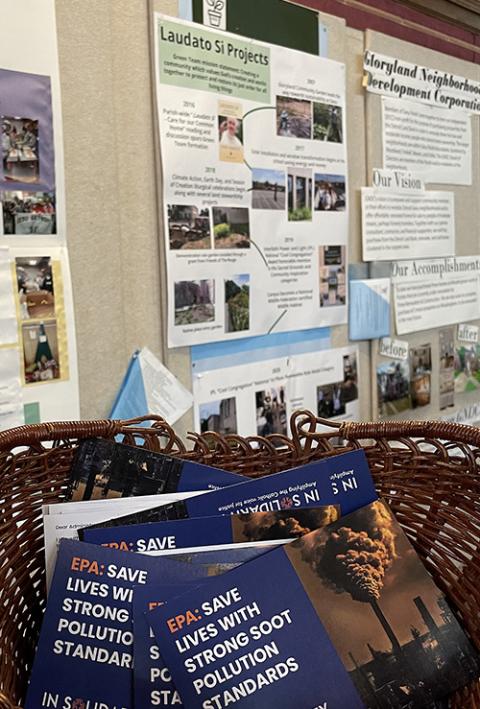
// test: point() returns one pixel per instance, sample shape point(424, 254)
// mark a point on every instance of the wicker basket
point(427, 471)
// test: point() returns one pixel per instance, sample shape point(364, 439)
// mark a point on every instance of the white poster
point(8, 315)
point(32, 212)
point(258, 397)
point(11, 404)
point(406, 225)
point(434, 143)
point(435, 292)
point(254, 178)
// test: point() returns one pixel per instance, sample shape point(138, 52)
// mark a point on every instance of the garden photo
point(237, 303)
point(231, 227)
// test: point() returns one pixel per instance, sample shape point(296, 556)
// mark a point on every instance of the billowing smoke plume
point(287, 524)
point(354, 558)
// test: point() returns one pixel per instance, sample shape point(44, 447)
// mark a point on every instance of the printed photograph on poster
point(333, 289)
point(268, 189)
point(194, 301)
point(28, 212)
point(299, 194)
point(40, 351)
point(446, 344)
point(330, 193)
point(420, 375)
point(35, 287)
point(327, 122)
point(332, 399)
point(271, 410)
point(294, 117)
point(467, 367)
point(20, 149)
point(188, 227)
point(230, 133)
point(237, 303)
point(393, 387)
point(219, 416)
point(28, 155)
point(266, 157)
point(231, 227)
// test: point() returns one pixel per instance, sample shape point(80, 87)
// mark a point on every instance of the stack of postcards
point(178, 584)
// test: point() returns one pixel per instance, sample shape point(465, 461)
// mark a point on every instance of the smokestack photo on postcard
point(388, 622)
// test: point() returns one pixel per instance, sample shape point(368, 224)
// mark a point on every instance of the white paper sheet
point(397, 78)
point(64, 524)
point(435, 292)
point(406, 225)
point(254, 185)
point(11, 401)
point(8, 315)
point(434, 143)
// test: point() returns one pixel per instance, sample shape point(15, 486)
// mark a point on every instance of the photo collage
point(39, 298)
point(404, 384)
point(33, 240)
point(307, 191)
point(268, 407)
point(249, 176)
point(26, 206)
point(297, 192)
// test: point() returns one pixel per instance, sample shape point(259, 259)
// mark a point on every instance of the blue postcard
point(343, 480)
point(345, 617)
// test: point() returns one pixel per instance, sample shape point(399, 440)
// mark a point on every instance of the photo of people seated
point(20, 149)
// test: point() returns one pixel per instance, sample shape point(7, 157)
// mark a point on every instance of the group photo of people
point(330, 193)
point(28, 212)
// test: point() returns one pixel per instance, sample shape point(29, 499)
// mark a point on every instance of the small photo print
point(237, 303)
point(188, 227)
point(332, 399)
point(35, 287)
point(40, 351)
point(28, 212)
point(219, 416)
point(299, 183)
point(393, 386)
point(294, 117)
point(333, 289)
point(327, 122)
point(271, 411)
point(467, 367)
point(194, 301)
point(421, 375)
point(329, 193)
point(230, 131)
point(20, 149)
point(446, 342)
point(231, 227)
point(268, 189)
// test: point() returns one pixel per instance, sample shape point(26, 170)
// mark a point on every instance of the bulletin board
point(467, 214)
point(118, 239)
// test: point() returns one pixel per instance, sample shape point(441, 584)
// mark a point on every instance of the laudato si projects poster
point(254, 185)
